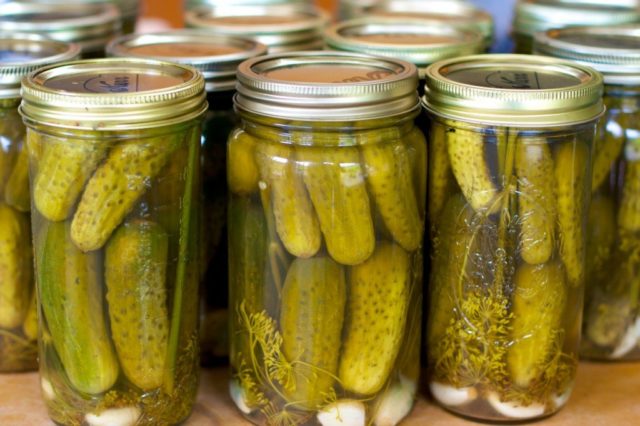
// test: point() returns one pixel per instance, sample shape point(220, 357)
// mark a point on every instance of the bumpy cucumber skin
point(15, 267)
point(311, 320)
point(571, 167)
point(538, 304)
point(116, 186)
point(629, 210)
point(536, 201)
point(296, 220)
point(70, 289)
point(390, 181)
point(467, 158)
point(63, 170)
point(242, 170)
point(607, 148)
point(376, 317)
point(441, 181)
point(17, 189)
point(335, 180)
point(135, 276)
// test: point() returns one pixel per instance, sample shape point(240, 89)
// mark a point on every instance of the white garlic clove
point(561, 400)
point(629, 340)
point(47, 389)
point(451, 396)
point(238, 396)
point(125, 416)
point(344, 412)
point(514, 410)
point(395, 403)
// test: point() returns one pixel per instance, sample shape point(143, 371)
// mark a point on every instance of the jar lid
point(128, 8)
point(21, 54)
point(192, 4)
point(349, 9)
point(113, 94)
point(418, 41)
point(89, 25)
point(216, 57)
point(532, 16)
point(614, 51)
point(457, 13)
point(513, 90)
point(326, 86)
point(281, 28)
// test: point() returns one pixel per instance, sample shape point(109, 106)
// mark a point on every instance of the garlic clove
point(514, 410)
point(47, 389)
point(629, 340)
point(344, 412)
point(238, 396)
point(125, 416)
point(395, 403)
point(451, 396)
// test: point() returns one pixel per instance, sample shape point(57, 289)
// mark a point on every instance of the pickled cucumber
point(116, 186)
point(311, 320)
point(467, 158)
point(389, 177)
point(601, 235)
point(571, 168)
point(242, 170)
point(608, 146)
point(71, 296)
point(17, 189)
point(15, 267)
point(63, 170)
point(8, 156)
point(538, 303)
point(378, 298)
point(30, 324)
point(629, 210)
point(295, 218)
point(536, 201)
point(135, 277)
point(336, 184)
point(441, 181)
point(419, 161)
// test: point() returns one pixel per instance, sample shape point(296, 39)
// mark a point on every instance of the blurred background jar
point(20, 54)
point(217, 57)
point(612, 307)
point(280, 27)
point(509, 183)
point(89, 25)
point(327, 180)
point(534, 16)
point(116, 251)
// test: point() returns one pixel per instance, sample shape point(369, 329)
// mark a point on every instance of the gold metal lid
point(532, 16)
point(113, 94)
point(89, 25)
point(513, 90)
point(614, 51)
point(128, 8)
point(281, 28)
point(326, 86)
point(21, 54)
point(415, 40)
point(216, 57)
point(458, 13)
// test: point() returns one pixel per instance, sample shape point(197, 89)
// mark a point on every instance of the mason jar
point(217, 58)
point(20, 54)
point(460, 14)
point(194, 4)
point(611, 326)
point(509, 183)
point(532, 16)
point(89, 25)
point(327, 181)
point(350, 9)
point(280, 27)
point(114, 163)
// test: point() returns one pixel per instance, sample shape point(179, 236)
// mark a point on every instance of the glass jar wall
point(325, 231)
point(19, 55)
point(611, 329)
point(115, 219)
point(508, 196)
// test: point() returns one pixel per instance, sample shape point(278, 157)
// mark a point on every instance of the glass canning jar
point(20, 54)
point(89, 25)
point(532, 16)
point(509, 183)
point(327, 180)
point(611, 326)
point(114, 162)
point(281, 27)
point(217, 57)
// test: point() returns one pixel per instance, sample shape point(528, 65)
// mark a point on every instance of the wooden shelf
point(605, 394)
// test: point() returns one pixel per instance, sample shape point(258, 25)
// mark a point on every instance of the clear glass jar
point(90, 25)
point(281, 27)
point(114, 152)
point(217, 57)
point(532, 16)
point(350, 9)
point(611, 326)
point(508, 199)
point(19, 55)
point(325, 232)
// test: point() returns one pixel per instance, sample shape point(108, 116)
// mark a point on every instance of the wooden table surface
point(605, 395)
